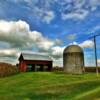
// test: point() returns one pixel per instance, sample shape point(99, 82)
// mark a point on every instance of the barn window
point(45, 67)
point(29, 67)
point(38, 68)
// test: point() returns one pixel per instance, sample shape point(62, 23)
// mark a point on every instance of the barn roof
point(35, 56)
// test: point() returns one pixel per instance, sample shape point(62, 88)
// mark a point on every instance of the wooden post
point(95, 48)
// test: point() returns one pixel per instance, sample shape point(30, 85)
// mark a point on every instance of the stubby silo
point(73, 59)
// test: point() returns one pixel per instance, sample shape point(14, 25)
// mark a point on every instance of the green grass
point(50, 86)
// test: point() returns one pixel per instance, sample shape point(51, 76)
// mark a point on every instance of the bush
point(7, 69)
point(56, 68)
point(91, 69)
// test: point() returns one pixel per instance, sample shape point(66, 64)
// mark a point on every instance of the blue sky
point(47, 26)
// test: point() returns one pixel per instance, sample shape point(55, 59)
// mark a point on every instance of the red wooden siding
point(23, 64)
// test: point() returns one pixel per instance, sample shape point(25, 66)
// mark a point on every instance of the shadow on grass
point(43, 96)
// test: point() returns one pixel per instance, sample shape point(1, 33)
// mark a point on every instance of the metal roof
point(35, 56)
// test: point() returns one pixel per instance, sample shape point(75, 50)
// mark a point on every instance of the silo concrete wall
point(73, 62)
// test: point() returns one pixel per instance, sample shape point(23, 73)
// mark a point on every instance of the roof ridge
point(36, 56)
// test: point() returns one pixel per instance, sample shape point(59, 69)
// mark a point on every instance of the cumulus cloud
point(57, 55)
point(45, 44)
point(8, 52)
point(9, 55)
point(87, 44)
point(17, 36)
point(58, 62)
point(57, 51)
point(14, 33)
point(84, 44)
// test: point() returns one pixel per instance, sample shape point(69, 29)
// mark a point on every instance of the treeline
point(91, 69)
point(87, 69)
point(7, 69)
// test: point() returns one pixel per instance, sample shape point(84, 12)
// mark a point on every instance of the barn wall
point(23, 64)
point(37, 62)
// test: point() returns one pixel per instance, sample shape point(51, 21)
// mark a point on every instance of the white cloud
point(9, 55)
point(10, 26)
point(9, 52)
point(87, 44)
point(43, 10)
point(14, 33)
point(74, 43)
point(79, 3)
point(43, 14)
point(49, 16)
point(98, 61)
point(78, 9)
point(58, 62)
point(84, 44)
point(45, 44)
point(17, 36)
point(80, 15)
point(57, 50)
point(57, 54)
point(39, 10)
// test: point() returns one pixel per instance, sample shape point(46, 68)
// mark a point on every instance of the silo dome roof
point(73, 48)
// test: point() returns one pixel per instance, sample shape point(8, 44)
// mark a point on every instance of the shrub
point(56, 68)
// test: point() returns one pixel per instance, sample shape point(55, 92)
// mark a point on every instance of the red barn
point(34, 62)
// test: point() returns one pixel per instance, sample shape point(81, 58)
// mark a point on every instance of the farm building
point(73, 59)
point(34, 62)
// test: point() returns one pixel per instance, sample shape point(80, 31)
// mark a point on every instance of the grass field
point(50, 86)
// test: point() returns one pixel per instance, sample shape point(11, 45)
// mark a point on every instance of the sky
point(48, 26)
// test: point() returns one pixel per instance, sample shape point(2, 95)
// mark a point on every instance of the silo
point(73, 59)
